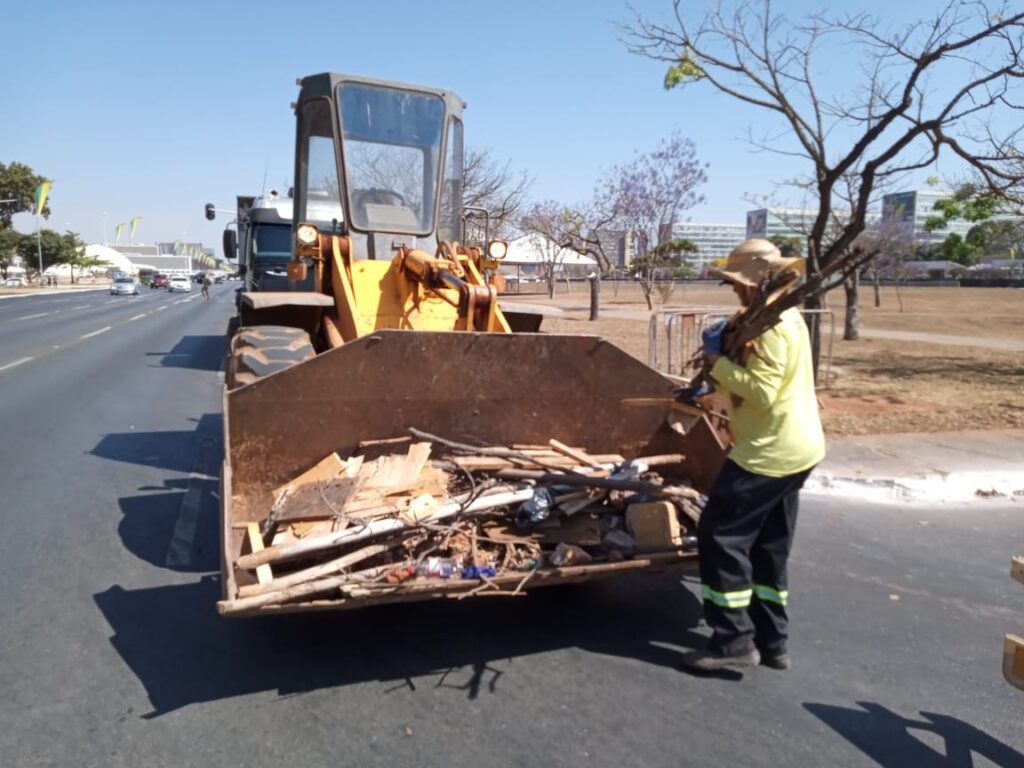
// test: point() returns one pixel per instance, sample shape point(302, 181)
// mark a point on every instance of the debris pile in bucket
point(426, 513)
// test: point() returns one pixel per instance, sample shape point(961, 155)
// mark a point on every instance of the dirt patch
point(876, 385)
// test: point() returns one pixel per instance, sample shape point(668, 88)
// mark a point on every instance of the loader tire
point(261, 350)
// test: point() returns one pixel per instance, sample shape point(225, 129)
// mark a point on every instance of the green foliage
point(56, 249)
point(685, 70)
point(19, 182)
point(788, 246)
point(665, 256)
point(956, 249)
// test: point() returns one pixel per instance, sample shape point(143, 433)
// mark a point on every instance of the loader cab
point(380, 162)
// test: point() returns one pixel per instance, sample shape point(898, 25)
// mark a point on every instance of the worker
point(746, 530)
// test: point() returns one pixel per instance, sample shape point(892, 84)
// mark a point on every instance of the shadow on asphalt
point(175, 450)
point(184, 653)
point(201, 353)
point(150, 520)
point(892, 740)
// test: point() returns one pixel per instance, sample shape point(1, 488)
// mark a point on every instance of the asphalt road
point(111, 652)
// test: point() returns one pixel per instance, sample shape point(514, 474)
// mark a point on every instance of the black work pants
point(744, 538)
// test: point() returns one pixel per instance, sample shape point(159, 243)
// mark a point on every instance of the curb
point(56, 292)
point(957, 487)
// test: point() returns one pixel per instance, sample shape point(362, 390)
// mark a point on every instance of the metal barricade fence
point(674, 336)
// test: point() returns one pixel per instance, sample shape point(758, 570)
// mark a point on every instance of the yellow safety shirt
point(776, 424)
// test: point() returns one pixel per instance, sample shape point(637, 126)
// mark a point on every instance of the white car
point(124, 286)
point(180, 284)
point(15, 282)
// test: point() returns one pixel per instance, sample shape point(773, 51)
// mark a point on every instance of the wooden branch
point(568, 478)
point(316, 572)
point(494, 497)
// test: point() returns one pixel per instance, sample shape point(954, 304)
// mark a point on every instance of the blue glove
point(712, 338)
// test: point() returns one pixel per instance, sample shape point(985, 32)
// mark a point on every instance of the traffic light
point(210, 214)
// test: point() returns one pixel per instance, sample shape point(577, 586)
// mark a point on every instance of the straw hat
point(753, 260)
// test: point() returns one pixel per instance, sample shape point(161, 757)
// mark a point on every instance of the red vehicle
point(160, 281)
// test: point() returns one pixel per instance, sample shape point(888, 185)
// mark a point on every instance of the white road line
point(29, 317)
point(111, 301)
point(159, 309)
point(83, 306)
point(16, 362)
point(95, 333)
point(181, 301)
point(137, 317)
point(179, 552)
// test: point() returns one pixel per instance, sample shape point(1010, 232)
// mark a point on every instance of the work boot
point(706, 662)
point(776, 660)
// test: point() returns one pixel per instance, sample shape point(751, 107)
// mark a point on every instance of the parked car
point(15, 282)
point(124, 286)
point(218, 279)
point(160, 281)
point(180, 283)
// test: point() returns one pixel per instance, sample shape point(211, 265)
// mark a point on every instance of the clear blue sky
point(139, 109)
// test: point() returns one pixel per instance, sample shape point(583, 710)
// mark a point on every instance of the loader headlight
point(307, 235)
point(497, 249)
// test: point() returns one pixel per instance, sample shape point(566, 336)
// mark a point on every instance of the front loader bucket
point(485, 388)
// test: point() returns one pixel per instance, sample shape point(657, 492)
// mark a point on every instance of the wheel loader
point(390, 323)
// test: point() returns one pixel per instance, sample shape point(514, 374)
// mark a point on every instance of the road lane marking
point(95, 333)
point(137, 317)
point(159, 309)
point(83, 306)
point(16, 362)
point(179, 552)
point(111, 301)
point(29, 317)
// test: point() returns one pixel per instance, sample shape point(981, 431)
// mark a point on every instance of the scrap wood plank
point(1017, 568)
point(577, 455)
point(315, 572)
point(396, 473)
point(254, 540)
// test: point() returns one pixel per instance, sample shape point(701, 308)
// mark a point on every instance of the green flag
point(135, 225)
point(41, 192)
point(117, 232)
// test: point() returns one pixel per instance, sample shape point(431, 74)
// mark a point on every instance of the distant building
point(713, 241)
point(912, 209)
point(779, 222)
point(769, 223)
point(617, 245)
point(932, 270)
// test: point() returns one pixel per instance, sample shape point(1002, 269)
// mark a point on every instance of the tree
point(648, 196)
point(941, 86)
point(494, 186)
point(552, 225)
point(9, 240)
point(664, 261)
point(56, 249)
point(788, 246)
point(988, 237)
point(18, 182)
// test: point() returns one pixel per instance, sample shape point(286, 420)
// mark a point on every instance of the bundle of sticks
point(412, 512)
point(772, 296)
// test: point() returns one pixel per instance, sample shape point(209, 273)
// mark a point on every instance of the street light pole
point(39, 250)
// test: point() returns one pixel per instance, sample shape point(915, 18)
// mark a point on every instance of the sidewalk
point(935, 467)
point(77, 288)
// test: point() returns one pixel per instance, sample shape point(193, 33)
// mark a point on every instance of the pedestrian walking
point(746, 530)
point(206, 287)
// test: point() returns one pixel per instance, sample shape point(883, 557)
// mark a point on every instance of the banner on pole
point(135, 225)
point(117, 232)
point(41, 192)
